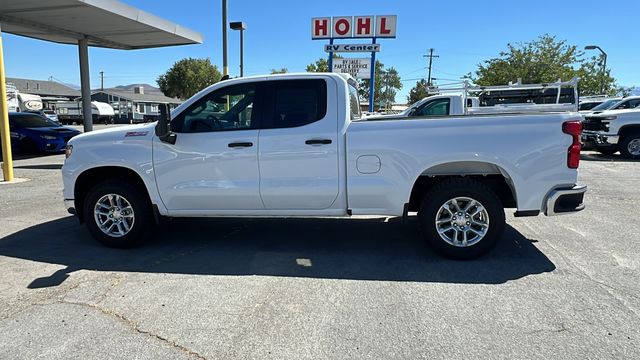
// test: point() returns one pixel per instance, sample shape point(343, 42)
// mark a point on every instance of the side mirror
point(163, 132)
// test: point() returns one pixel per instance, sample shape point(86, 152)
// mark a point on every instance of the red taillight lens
point(573, 128)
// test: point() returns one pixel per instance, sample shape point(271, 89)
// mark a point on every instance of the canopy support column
point(85, 85)
point(5, 138)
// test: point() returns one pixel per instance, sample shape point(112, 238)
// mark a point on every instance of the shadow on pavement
point(22, 156)
point(358, 249)
point(602, 157)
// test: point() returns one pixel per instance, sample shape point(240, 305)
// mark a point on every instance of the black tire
point(143, 216)
point(459, 188)
point(608, 152)
point(629, 144)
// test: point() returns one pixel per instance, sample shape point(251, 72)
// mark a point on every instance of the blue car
point(33, 133)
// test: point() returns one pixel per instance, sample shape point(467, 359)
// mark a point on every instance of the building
point(133, 106)
point(49, 91)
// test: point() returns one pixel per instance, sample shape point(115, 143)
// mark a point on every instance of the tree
point(545, 59)
point(418, 92)
point(322, 64)
point(387, 83)
point(390, 84)
point(280, 71)
point(188, 76)
point(593, 81)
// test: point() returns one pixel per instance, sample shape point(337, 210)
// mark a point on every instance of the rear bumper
point(565, 201)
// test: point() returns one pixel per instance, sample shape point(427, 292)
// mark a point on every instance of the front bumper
point(70, 205)
point(565, 201)
point(599, 138)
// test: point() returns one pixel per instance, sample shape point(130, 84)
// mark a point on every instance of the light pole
point(604, 64)
point(239, 25)
point(225, 68)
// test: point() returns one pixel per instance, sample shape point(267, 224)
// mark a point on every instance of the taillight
point(573, 128)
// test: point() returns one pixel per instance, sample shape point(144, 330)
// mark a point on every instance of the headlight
point(67, 151)
point(48, 137)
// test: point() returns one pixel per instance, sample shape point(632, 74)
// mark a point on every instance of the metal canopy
point(104, 23)
point(100, 23)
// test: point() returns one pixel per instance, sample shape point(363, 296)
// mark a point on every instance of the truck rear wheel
point(117, 214)
point(461, 218)
point(630, 146)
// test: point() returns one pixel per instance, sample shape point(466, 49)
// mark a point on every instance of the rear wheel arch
point(491, 175)
point(91, 177)
point(461, 218)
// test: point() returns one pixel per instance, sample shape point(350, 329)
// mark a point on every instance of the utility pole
point(101, 80)
point(430, 56)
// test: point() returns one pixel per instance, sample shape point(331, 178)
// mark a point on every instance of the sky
point(278, 35)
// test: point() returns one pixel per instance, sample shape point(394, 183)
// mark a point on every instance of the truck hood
point(622, 112)
point(117, 134)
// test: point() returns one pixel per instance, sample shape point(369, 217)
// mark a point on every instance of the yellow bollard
point(5, 138)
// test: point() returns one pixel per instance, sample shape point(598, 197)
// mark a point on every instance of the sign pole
point(372, 81)
point(330, 62)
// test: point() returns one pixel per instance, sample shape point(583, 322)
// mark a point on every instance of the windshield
point(32, 121)
point(606, 105)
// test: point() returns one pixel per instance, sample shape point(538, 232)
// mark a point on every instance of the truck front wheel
point(461, 218)
point(117, 214)
point(630, 146)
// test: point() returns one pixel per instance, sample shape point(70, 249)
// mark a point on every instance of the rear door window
point(293, 103)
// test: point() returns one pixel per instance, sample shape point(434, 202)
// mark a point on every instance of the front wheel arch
point(90, 177)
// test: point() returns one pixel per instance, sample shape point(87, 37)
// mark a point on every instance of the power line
point(413, 71)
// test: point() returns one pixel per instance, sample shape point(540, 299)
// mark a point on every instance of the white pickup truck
point(294, 145)
point(610, 131)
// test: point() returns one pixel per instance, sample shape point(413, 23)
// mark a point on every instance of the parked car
point(294, 145)
point(34, 133)
point(49, 114)
point(604, 106)
point(587, 105)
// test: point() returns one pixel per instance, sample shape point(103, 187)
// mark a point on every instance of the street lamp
point(604, 63)
point(225, 68)
point(239, 25)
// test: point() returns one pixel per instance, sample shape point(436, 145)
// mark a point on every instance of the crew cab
point(294, 145)
point(610, 131)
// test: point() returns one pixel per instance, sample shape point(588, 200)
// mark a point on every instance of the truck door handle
point(318, 142)
point(240, 144)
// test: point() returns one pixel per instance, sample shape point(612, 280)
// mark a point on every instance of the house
point(136, 105)
point(49, 91)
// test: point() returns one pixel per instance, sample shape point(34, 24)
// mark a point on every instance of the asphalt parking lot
point(561, 287)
